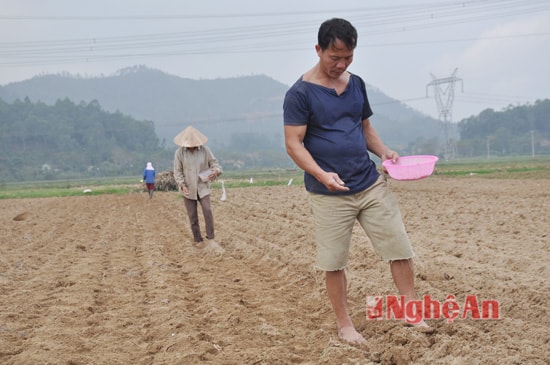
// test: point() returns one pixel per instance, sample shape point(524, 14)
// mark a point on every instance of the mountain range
point(223, 109)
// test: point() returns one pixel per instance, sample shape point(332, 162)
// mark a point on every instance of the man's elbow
point(290, 148)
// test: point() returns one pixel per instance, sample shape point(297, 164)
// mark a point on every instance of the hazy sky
point(499, 49)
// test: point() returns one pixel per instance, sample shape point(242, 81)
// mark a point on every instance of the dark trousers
point(192, 212)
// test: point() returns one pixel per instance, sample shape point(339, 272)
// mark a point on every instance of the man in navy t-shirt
point(328, 134)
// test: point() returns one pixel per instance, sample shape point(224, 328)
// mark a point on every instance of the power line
point(93, 50)
point(387, 9)
point(445, 41)
point(376, 20)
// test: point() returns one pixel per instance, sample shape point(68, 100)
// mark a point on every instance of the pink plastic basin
point(411, 167)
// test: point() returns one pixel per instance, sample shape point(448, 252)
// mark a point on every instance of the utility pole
point(444, 92)
point(532, 143)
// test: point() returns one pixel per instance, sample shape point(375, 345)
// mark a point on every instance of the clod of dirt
point(21, 217)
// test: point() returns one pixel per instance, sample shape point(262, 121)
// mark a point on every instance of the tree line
point(516, 130)
point(73, 141)
point(68, 140)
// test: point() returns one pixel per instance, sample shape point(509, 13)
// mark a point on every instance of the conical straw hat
point(190, 137)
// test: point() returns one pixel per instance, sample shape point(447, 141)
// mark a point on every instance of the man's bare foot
point(350, 335)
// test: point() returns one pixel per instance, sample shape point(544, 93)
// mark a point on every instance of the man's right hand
point(184, 189)
point(332, 182)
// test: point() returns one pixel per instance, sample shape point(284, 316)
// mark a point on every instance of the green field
point(507, 168)
point(510, 167)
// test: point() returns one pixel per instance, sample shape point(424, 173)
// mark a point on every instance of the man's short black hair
point(334, 29)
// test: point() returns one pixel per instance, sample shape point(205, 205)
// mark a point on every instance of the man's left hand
point(390, 155)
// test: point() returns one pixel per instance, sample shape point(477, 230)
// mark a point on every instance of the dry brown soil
point(113, 279)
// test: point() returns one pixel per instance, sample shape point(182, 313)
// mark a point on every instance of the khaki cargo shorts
point(377, 211)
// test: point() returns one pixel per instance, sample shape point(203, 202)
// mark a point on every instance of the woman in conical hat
point(190, 137)
point(195, 166)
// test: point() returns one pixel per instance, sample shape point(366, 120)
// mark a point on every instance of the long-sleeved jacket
point(149, 176)
point(187, 166)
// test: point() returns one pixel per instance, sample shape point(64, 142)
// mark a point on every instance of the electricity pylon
point(444, 92)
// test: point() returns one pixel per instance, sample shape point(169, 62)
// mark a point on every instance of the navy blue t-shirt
point(334, 135)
